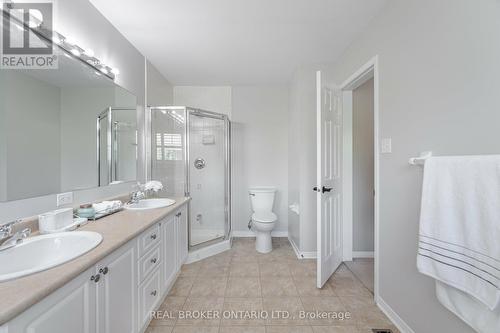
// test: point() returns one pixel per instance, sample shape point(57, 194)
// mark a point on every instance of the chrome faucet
point(7, 239)
point(137, 196)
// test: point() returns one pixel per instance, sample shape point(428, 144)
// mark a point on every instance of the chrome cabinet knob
point(104, 270)
point(95, 278)
point(153, 236)
point(153, 293)
point(153, 261)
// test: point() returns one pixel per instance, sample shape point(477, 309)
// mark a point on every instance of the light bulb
point(56, 39)
point(70, 41)
point(89, 53)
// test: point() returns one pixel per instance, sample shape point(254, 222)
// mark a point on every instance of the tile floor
point(241, 283)
point(363, 269)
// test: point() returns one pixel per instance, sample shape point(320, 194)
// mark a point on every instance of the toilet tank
point(262, 198)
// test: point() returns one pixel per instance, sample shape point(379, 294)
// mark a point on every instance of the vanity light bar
point(69, 46)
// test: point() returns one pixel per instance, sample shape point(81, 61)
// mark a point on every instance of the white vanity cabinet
point(175, 245)
point(72, 308)
point(118, 294)
point(117, 291)
point(169, 254)
point(101, 300)
point(169, 234)
point(182, 235)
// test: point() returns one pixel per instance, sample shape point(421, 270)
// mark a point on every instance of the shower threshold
point(208, 249)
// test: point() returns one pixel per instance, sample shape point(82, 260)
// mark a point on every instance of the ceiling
point(238, 42)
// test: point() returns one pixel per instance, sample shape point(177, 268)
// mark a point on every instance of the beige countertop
point(19, 294)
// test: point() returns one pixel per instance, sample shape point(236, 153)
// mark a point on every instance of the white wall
point(159, 91)
point(362, 163)
point(302, 158)
point(215, 99)
point(439, 73)
point(260, 149)
point(80, 20)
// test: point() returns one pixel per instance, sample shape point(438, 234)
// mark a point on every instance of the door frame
point(364, 73)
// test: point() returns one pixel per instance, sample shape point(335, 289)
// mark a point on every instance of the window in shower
point(168, 147)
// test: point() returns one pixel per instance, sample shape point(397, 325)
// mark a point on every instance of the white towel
point(459, 241)
point(104, 206)
point(471, 311)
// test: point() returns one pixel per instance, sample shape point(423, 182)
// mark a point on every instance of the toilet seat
point(264, 217)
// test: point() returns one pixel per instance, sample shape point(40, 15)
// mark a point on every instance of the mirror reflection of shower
point(116, 145)
point(190, 155)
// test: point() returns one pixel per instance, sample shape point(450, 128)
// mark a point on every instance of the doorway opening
point(360, 179)
point(362, 185)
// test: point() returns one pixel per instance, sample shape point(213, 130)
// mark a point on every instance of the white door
point(329, 181)
point(117, 292)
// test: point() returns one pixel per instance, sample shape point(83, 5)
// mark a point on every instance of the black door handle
point(316, 189)
point(326, 189)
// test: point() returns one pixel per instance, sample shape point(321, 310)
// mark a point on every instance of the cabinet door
point(71, 308)
point(182, 235)
point(169, 250)
point(117, 291)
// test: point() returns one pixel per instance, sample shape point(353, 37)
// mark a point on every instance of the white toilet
point(263, 218)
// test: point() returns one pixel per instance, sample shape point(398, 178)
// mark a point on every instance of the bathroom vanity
point(112, 288)
point(70, 136)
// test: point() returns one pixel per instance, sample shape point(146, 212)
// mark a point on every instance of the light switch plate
point(386, 146)
point(64, 199)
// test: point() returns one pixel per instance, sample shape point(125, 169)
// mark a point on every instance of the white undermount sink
point(150, 204)
point(39, 253)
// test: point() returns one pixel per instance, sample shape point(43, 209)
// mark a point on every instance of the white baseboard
point(393, 316)
point(250, 233)
point(299, 254)
point(208, 251)
point(363, 254)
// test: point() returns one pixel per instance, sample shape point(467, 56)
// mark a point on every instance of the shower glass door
point(168, 160)
point(208, 179)
point(190, 156)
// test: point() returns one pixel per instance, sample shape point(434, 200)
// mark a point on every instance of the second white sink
point(150, 204)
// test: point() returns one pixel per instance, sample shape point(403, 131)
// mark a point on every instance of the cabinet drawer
point(149, 239)
point(149, 296)
point(149, 262)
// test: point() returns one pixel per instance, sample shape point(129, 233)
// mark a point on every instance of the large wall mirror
point(64, 129)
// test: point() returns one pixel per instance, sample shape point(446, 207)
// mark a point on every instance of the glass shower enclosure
point(190, 155)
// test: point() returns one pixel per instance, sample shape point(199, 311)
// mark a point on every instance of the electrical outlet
point(386, 146)
point(64, 199)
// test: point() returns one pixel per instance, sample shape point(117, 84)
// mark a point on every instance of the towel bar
point(421, 159)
